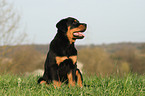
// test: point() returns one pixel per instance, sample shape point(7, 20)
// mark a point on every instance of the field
point(129, 85)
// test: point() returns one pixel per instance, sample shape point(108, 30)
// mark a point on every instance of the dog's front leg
point(79, 78)
point(71, 78)
point(55, 77)
point(56, 83)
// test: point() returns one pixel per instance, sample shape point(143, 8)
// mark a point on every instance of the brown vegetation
point(102, 60)
point(22, 59)
point(10, 34)
point(96, 60)
point(121, 58)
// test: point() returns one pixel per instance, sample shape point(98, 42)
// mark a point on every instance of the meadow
point(113, 85)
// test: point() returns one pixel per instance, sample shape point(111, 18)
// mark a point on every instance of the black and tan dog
point(61, 62)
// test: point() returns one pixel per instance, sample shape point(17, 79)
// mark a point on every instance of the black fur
point(61, 46)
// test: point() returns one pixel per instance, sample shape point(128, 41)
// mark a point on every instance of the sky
point(109, 21)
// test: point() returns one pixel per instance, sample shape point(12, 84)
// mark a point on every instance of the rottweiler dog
point(61, 62)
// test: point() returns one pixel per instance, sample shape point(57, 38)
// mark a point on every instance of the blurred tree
point(130, 59)
point(9, 25)
point(124, 67)
point(143, 48)
point(22, 59)
point(25, 59)
point(96, 61)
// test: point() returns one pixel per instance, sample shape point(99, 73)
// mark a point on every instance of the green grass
point(130, 85)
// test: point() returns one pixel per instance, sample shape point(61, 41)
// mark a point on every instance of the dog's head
point(72, 28)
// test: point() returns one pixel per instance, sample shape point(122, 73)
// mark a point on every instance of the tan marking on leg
point(79, 80)
point(43, 82)
point(60, 59)
point(56, 83)
point(74, 59)
point(70, 79)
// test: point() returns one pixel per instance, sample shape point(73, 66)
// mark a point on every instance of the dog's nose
point(84, 24)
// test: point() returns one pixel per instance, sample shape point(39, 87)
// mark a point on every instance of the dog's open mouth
point(78, 34)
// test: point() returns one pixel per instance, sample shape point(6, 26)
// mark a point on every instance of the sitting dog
point(61, 62)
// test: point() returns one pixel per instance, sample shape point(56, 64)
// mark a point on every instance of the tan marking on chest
point(60, 59)
point(73, 58)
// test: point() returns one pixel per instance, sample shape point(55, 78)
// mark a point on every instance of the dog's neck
point(63, 36)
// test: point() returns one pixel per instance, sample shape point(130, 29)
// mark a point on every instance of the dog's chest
point(67, 53)
point(66, 65)
point(66, 60)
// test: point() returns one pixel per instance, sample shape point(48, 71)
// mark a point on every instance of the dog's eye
point(74, 23)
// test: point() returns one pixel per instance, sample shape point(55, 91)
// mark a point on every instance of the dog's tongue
point(79, 34)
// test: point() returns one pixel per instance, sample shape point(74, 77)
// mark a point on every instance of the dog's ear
point(62, 25)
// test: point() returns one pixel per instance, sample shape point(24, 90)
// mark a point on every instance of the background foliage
point(97, 59)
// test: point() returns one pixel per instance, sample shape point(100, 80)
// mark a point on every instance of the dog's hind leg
point(79, 78)
point(71, 78)
point(41, 81)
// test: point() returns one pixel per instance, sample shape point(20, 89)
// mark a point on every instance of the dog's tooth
point(75, 33)
point(81, 34)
